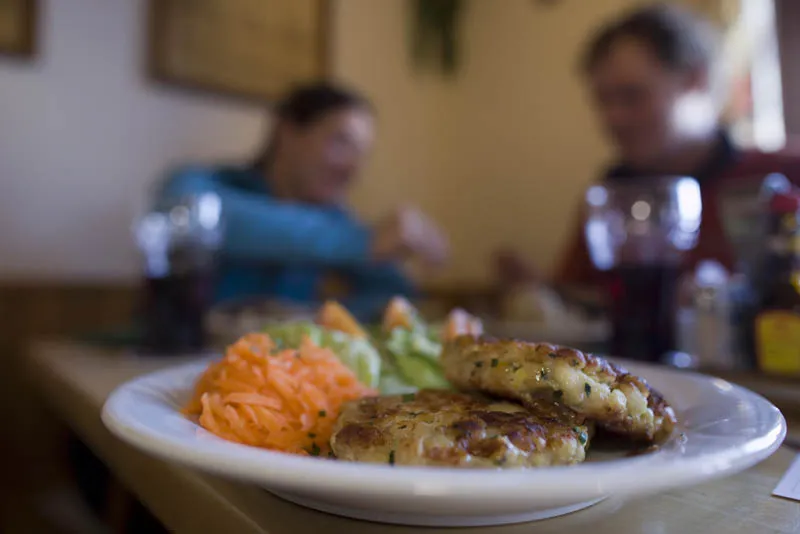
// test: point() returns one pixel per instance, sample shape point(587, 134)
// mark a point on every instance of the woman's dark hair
point(679, 39)
point(308, 104)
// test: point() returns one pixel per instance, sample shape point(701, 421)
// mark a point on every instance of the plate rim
point(281, 470)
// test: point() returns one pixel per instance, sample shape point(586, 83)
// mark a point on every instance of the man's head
point(649, 73)
point(321, 136)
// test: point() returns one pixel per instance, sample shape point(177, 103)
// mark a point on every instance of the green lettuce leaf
point(415, 354)
point(359, 355)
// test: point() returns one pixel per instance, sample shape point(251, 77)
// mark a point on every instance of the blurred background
point(497, 145)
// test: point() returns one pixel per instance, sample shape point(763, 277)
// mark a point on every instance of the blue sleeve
point(261, 228)
point(373, 287)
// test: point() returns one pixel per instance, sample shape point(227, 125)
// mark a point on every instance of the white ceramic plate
point(723, 429)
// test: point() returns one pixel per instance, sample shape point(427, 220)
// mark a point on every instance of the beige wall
point(498, 155)
point(82, 124)
point(501, 153)
point(415, 111)
point(526, 127)
point(84, 134)
point(523, 142)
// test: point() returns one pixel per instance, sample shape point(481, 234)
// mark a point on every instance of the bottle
point(777, 322)
point(703, 324)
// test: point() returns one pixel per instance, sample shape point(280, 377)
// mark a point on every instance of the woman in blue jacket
point(287, 233)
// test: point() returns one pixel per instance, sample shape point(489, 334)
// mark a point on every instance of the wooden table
point(75, 380)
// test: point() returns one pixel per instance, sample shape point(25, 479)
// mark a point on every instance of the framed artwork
point(255, 49)
point(18, 27)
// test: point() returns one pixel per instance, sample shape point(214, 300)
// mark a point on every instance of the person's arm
point(259, 228)
point(576, 267)
point(373, 287)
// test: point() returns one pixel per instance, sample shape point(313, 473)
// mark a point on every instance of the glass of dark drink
point(179, 242)
point(638, 233)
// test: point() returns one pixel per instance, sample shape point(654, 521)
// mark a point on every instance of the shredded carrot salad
point(282, 399)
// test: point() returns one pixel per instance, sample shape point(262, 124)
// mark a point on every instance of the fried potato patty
point(529, 372)
point(443, 428)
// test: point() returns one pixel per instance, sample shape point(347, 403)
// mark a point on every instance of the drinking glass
point(638, 232)
point(179, 241)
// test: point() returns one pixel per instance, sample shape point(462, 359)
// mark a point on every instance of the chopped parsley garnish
point(574, 363)
point(587, 388)
point(583, 437)
point(478, 364)
point(542, 374)
point(312, 435)
point(495, 361)
point(408, 397)
point(315, 450)
point(558, 394)
point(391, 457)
point(499, 461)
point(322, 413)
point(553, 355)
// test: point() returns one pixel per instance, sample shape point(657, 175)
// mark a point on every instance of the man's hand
point(512, 270)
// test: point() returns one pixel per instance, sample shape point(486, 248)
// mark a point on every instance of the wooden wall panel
point(788, 19)
point(30, 436)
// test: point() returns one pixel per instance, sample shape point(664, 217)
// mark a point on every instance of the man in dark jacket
point(650, 74)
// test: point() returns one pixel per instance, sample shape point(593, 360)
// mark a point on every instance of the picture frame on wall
point(249, 49)
point(18, 20)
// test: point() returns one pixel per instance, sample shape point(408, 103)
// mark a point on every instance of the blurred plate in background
point(229, 321)
point(590, 334)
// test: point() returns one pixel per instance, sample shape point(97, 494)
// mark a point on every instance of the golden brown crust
point(458, 430)
point(587, 384)
point(600, 367)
